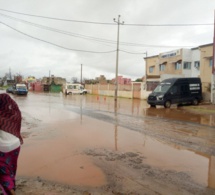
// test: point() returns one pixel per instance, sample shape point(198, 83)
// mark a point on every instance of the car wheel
point(152, 106)
point(167, 104)
point(195, 102)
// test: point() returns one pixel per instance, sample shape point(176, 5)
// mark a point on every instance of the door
point(185, 93)
point(175, 94)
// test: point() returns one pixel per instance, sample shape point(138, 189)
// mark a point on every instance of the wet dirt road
point(83, 145)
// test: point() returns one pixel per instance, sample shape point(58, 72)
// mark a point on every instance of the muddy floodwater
point(91, 145)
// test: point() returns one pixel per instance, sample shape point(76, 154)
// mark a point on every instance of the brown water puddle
point(55, 150)
point(182, 114)
point(56, 153)
point(141, 108)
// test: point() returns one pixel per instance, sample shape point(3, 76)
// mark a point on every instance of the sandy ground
point(89, 149)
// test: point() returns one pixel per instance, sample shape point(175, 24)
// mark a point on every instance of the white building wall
point(195, 57)
point(186, 57)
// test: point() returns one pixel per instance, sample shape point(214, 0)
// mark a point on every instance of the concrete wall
point(136, 91)
point(205, 69)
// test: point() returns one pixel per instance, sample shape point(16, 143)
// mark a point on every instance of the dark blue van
point(176, 91)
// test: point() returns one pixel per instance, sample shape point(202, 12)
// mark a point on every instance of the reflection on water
point(183, 115)
point(140, 108)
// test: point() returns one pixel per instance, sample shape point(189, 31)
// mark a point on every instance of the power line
point(89, 37)
point(132, 52)
point(59, 31)
point(78, 50)
point(161, 25)
point(52, 18)
point(105, 23)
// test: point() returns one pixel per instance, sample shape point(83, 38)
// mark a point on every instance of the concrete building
point(206, 57)
point(101, 79)
point(181, 63)
point(122, 81)
point(195, 62)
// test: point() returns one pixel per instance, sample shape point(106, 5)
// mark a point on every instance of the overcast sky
point(38, 36)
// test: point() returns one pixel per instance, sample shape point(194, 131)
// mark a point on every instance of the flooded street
point(84, 145)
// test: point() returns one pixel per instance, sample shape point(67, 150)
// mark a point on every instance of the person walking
point(10, 142)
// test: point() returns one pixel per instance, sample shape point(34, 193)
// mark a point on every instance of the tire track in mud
point(129, 170)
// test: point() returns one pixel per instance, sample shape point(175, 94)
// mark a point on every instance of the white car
point(75, 89)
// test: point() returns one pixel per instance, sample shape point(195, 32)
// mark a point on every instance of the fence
point(133, 90)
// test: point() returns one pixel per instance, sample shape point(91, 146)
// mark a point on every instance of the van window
point(71, 86)
point(175, 90)
point(163, 87)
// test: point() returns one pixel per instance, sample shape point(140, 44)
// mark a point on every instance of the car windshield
point(162, 88)
point(21, 87)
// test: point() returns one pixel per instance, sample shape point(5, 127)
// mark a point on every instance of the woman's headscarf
point(10, 116)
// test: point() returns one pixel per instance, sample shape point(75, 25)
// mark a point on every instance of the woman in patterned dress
point(10, 141)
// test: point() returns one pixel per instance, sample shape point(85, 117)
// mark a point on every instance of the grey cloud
point(33, 57)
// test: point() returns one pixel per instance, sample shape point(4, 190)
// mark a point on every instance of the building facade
point(206, 56)
point(195, 62)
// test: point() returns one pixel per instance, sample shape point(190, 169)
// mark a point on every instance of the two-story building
point(206, 63)
point(195, 62)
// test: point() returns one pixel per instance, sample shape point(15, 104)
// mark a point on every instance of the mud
point(80, 145)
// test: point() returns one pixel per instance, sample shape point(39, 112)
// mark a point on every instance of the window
point(197, 64)
point(151, 69)
point(187, 65)
point(162, 67)
point(210, 62)
point(177, 65)
point(162, 87)
point(174, 90)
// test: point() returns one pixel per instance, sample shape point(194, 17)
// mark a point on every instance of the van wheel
point(167, 104)
point(195, 102)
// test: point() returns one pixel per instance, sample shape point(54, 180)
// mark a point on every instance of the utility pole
point(117, 56)
point(146, 70)
point(213, 69)
point(81, 74)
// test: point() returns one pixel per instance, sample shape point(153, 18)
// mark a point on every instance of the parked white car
point(75, 89)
